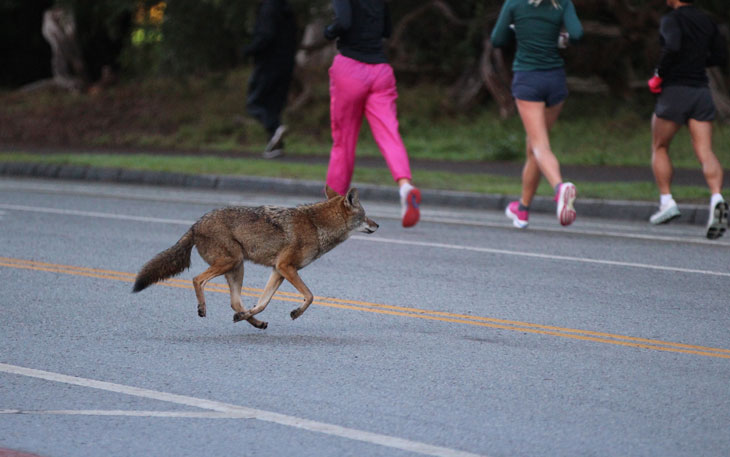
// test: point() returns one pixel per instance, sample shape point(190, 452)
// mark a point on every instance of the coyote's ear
point(329, 192)
point(352, 198)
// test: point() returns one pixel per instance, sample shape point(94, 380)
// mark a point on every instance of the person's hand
point(655, 84)
point(563, 40)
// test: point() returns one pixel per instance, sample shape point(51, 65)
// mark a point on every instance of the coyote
point(286, 239)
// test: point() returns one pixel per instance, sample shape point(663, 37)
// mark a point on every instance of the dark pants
point(268, 89)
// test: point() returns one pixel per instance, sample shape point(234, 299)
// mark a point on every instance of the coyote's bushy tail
point(166, 264)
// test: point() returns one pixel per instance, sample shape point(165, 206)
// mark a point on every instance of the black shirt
point(275, 34)
point(360, 26)
point(690, 43)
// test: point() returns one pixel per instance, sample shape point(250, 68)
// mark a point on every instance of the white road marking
point(120, 412)
point(540, 256)
point(578, 231)
point(242, 412)
point(376, 239)
point(69, 212)
point(470, 217)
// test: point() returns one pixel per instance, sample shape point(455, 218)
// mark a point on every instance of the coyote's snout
point(286, 239)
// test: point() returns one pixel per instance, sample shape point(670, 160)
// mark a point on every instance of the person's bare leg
point(662, 132)
point(539, 120)
point(717, 223)
point(530, 175)
point(701, 133)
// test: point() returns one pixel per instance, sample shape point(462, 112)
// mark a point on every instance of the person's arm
point(265, 29)
point(502, 34)
point(718, 50)
point(572, 23)
point(343, 19)
point(671, 37)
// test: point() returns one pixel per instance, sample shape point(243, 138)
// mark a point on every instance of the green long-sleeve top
point(536, 29)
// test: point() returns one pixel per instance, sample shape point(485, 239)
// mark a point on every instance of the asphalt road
point(462, 336)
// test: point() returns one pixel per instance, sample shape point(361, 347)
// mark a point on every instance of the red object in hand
point(655, 84)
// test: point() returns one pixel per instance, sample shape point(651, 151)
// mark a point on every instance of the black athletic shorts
point(547, 86)
point(682, 103)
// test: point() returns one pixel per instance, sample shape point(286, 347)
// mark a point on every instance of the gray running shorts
point(681, 103)
point(547, 86)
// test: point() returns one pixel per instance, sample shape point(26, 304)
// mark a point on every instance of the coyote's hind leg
point(272, 285)
point(218, 268)
point(235, 282)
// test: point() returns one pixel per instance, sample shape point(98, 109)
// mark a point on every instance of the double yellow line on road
point(526, 327)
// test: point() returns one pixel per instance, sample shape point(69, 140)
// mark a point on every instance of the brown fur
point(286, 239)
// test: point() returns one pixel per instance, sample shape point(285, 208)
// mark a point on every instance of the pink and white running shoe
point(519, 218)
point(565, 196)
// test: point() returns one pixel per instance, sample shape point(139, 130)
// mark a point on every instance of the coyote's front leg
point(290, 273)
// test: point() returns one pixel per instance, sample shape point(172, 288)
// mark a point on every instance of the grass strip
point(441, 180)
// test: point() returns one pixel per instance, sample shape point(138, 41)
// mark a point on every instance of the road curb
point(609, 209)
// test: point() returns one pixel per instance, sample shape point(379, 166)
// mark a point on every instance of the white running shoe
point(273, 154)
point(718, 222)
point(665, 214)
point(276, 139)
point(566, 198)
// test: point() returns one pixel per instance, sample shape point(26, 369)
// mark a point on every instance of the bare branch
point(495, 78)
point(602, 30)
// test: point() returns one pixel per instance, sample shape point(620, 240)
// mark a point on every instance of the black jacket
point(690, 43)
point(275, 34)
point(360, 26)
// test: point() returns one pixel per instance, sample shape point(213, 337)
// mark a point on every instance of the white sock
point(715, 199)
point(404, 189)
point(665, 199)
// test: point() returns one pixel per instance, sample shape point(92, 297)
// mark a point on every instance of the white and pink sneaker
point(565, 196)
point(519, 218)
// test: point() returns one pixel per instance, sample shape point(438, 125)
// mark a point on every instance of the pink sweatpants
point(358, 88)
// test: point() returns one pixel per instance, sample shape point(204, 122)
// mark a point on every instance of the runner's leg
point(537, 121)
point(701, 133)
point(662, 132)
point(348, 92)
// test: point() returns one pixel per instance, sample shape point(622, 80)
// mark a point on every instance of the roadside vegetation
point(207, 114)
point(161, 85)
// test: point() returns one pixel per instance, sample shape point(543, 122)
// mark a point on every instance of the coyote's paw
point(201, 310)
point(241, 316)
point(296, 313)
point(258, 324)
point(246, 316)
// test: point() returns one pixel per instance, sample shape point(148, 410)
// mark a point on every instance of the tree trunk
point(314, 56)
point(67, 64)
